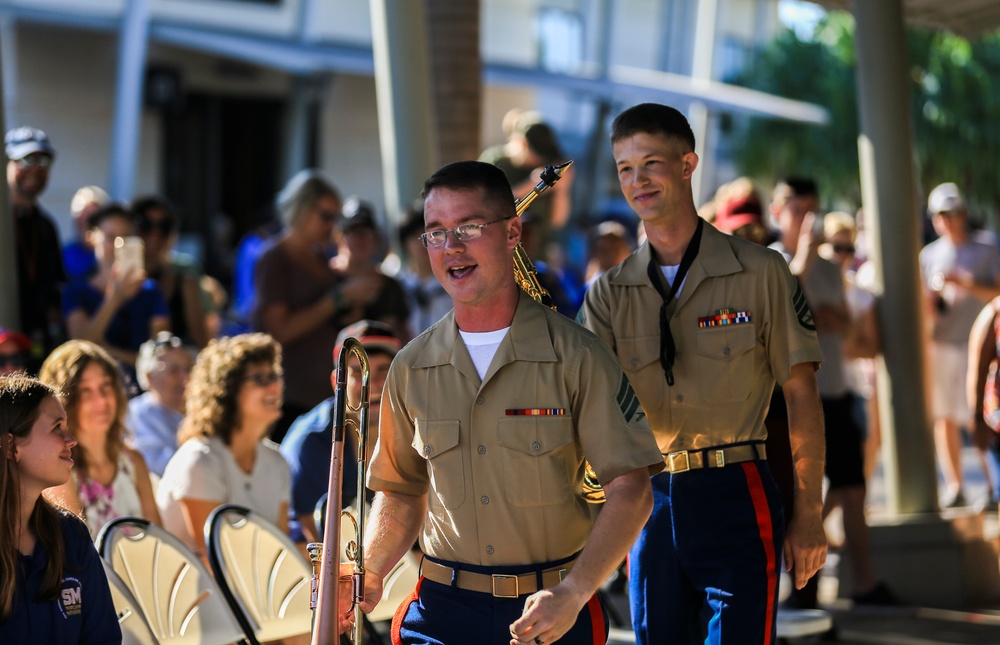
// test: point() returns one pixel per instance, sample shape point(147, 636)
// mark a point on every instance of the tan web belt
point(685, 460)
point(498, 585)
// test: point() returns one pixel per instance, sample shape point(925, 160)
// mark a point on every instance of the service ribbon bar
point(536, 412)
point(724, 317)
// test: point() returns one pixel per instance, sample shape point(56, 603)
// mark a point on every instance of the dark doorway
point(223, 160)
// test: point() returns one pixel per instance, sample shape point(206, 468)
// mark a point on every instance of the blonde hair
point(301, 194)
point(86, 196)
point(839, 222)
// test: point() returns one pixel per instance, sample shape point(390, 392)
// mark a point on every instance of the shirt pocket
point(437, 442)
point(640, 360)
point(725, 368)
point(539, 459)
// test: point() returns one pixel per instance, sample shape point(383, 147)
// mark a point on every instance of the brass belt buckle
point(720, 458)
point(500, 576)
point(679, 462)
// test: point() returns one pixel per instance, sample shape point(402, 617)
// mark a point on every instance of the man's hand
point(805, 547)
point(548, 615)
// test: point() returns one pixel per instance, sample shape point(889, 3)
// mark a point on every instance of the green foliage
point(955, 95)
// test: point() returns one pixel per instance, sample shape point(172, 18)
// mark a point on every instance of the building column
point(403, 96)
point(10, 313)
point(133, 42)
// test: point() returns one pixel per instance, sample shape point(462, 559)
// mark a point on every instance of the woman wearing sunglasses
point(233, 396)
point(110, 479)
point(52, 586)
point(156, 224)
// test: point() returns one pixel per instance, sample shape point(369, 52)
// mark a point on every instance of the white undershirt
point(670, 273)
point(482, 346)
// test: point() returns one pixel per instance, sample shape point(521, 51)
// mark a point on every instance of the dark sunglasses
point(839, 248)
point(263, 379)
point(42, 161)
point(164, 226)
point(328, 216)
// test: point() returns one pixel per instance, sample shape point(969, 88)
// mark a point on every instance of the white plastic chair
point(263, 575)
point(135, 629)
point(176, 593)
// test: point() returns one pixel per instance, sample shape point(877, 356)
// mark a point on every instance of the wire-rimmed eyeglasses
point(463, 233)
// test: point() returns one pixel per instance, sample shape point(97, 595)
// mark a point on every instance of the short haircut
point(800, 186)
point(652, 118)
point(152, 350)
point(114, 209)
point(473, 175)
point(142, 205)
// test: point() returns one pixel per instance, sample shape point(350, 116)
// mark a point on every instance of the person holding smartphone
point(118, 307)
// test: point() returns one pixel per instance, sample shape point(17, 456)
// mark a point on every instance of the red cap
point(373, 336)
point(737, 212)
point(23, 342)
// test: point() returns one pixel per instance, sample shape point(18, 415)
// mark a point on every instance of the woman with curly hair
point(52, 586)
point(233, 397)
point(110, 479)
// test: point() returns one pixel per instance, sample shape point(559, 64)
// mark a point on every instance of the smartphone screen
point(129, 254)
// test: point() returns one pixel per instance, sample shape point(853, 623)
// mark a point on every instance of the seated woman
point(109, 479)
point(52, 586)
point(115, 308)
point(233, 397)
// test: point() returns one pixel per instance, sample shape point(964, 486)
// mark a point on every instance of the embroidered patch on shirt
point(802, 311)
point(536, 412)
point(724, 317)
point(628, 402)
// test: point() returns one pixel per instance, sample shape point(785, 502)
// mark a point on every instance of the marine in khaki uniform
point(704, 324)
point(487, 419)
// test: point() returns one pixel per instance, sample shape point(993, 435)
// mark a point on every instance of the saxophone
point(527, 278)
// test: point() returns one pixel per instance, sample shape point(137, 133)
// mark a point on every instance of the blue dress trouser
point(436, 614)
point(705, 567)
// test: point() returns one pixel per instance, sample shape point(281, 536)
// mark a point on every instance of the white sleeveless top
point(101, 503)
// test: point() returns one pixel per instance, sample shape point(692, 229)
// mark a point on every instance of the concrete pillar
point(133, 43)
point(889, 197)
point(698, 113)
point(403, 97)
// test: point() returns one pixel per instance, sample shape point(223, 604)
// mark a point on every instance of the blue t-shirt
point(83, 613)
point(79, 260)
point(307, 448)
point(129, 328)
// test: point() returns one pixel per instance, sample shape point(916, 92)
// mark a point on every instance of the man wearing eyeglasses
point(39, 253)
point(704, 324)
point(486, 420)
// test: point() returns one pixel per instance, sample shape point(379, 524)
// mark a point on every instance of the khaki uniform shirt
point(502, 487)
point(723, 374)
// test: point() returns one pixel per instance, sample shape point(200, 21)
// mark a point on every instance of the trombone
point(325, 597)
point(527, 278)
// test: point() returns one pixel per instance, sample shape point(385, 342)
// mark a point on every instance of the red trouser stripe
point(397, 618)
point(763, 512)
point(597, 627)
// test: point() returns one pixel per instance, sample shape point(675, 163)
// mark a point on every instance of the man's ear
point(514, 234)
point(690, 160)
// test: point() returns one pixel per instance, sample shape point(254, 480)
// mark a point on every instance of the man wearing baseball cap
point(40, 271)
point(14, 348)
point(307, 446)
point(960, 275)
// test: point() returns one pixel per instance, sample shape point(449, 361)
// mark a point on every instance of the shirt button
point(535, 446)
point(482, 450)
point(427, 450)
point(680, 398)
point(490, 549)
point(727, 351)
point(480, 400)
point(634, 362)
point(485, 499)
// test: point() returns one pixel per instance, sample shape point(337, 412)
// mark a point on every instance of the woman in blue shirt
point(52, 585)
